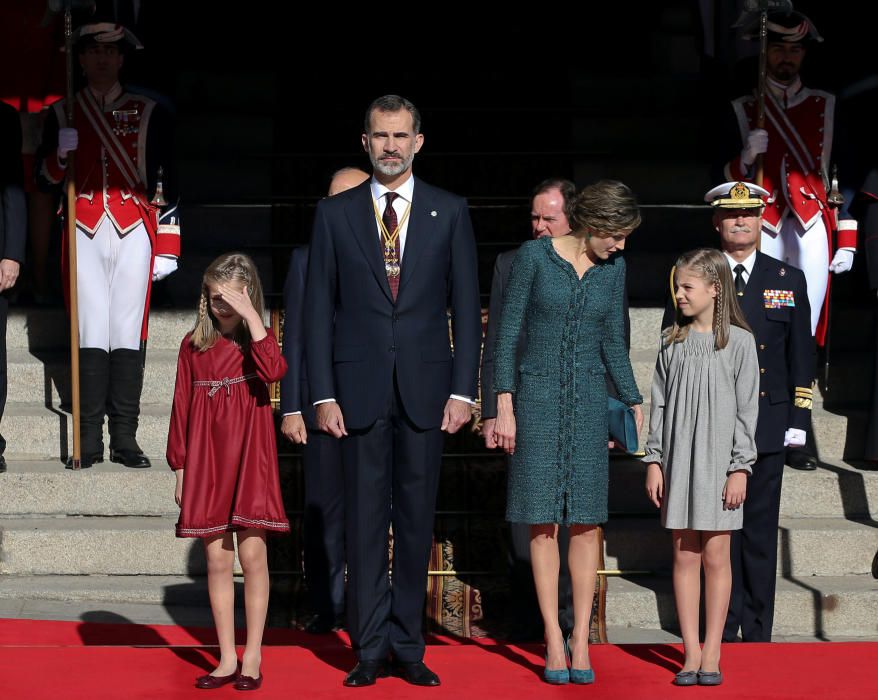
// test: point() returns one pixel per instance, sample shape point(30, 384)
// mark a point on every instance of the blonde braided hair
point(712, 266)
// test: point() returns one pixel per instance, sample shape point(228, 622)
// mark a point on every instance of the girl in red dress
point(222, 438)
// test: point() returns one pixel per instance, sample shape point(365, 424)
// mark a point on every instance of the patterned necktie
point(739, 279)
point(390, 224)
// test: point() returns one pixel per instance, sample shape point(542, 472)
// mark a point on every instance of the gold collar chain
point(390, 236)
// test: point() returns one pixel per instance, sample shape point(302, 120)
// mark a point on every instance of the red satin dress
point(222, 433)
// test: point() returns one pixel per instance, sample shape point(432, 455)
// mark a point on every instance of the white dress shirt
point(748, 265)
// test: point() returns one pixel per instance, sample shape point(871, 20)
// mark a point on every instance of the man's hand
point(735, 490)
point(293, 428)
point(757, 144)
point(456, 413)
point(330, 420)
point(842, 261)
point(68, 140)
point(488, 433)
point(163, 266)
point(9, 270)
point(794, 437)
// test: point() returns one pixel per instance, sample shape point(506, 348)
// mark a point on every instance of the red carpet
point(69, 660)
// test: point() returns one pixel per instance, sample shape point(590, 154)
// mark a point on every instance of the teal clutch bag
point(622, 426)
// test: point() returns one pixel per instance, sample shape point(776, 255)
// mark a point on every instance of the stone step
point(47, 377)
point(822, 606)
point(187, 591)
point(156, 590)
point(46, 489)
point(836, 489)
point(35, 432)
point(147, 545)
point(806, 546)
point(88, 545)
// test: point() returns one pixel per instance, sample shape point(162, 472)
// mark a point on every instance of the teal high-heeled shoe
point(578, 676)
point(559, 676)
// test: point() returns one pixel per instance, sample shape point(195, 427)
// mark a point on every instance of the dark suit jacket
point(294, 392)
point(502, 267)
point(358, 338)
point(784, 345)
point(13, 209)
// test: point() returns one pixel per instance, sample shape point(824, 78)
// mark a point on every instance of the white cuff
point(322, 401)
point(465, 399)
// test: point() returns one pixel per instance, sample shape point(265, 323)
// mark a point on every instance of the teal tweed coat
point(574, 332)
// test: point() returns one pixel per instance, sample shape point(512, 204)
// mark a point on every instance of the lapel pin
point(433, 213)
point(783, 271)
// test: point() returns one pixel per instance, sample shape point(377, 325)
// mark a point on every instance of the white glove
point(757, 142)
point(842, 261)
point(68, 140)
point(794, 437)
point(162, 267)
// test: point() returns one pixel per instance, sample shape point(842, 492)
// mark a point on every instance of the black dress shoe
point(416, 673)
point(2, 464)
point(85, 461)
point(798, 459)
point(130, 458)
point(365, 673)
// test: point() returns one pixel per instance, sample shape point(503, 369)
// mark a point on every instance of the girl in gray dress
point(702, 445)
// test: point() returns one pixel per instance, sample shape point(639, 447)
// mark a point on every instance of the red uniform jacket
point(795, 166)
point(122, 144)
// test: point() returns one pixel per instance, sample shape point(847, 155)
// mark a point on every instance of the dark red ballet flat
point(248, 682)
point(209, 682)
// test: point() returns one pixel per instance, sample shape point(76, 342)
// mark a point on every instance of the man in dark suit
point(321, 453)
point(774, 299)
point(387, 260)
point(548, 217)
point(13, 226)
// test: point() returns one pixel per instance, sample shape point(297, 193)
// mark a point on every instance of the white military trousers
point(112, 275)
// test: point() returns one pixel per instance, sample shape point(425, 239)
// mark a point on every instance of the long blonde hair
point(229, 267)
point(712, 266)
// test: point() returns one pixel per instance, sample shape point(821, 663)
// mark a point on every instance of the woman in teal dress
point(567, 295)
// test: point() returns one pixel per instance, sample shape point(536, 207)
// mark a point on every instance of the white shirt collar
point(406, 190)
point(747, 263)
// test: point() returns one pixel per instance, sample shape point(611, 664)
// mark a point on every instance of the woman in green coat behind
point(567, 295)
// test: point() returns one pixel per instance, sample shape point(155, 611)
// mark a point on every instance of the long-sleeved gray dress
point(702, 426)
point(575, 334)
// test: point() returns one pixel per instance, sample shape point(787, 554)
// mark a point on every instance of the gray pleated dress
point(702, 426)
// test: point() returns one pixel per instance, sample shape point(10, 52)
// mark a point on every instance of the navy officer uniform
point(773, 297)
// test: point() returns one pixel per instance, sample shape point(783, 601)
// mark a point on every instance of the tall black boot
point(123, 407)
point(94, 375)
